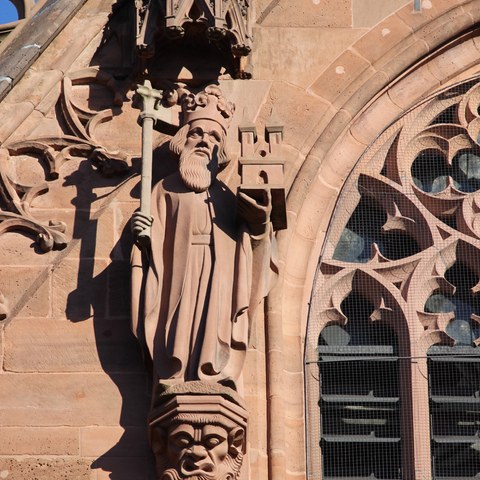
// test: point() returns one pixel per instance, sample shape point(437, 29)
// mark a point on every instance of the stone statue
point(196, 288)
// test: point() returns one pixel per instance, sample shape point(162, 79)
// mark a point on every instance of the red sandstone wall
point(73, 392)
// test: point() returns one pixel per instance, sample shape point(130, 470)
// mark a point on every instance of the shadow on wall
point(103, 291)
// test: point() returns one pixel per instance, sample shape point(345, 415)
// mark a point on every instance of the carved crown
point(208, 104)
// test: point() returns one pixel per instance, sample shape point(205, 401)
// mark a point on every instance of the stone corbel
point(198, 431)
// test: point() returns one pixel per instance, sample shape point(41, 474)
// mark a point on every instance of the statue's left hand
point(255, 212)
point(140, 226)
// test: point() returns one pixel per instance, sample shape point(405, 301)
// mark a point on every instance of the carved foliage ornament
point(52, 151)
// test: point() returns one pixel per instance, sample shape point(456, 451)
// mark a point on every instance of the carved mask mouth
point(202, 468)
point(204, 151)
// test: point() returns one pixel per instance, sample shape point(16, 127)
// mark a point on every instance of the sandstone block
point(72, 399)
point(453, 60)
point(292, 308)
point(412, 87)
point(430, 10)
point(444, 28)
point(16, 114)
point(29, 287)
point(296, 266)
point(69, 43)
point(40, 345)
point(124, 468)
point(327, 13)
point(338, 78)
point(38, 441)
point(375, 119)
point(295, 445)
point(301, 110)
point(42, 468)
point(380, 39)
point(114, 442)
point(402, 56)
point(78, 287)
point(298, 55)
point(119, 289)
point(367, 13)
point(18, 248)
point(293, 352)
point(34, 86)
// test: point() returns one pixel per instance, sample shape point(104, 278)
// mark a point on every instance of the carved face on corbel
point(199, 451)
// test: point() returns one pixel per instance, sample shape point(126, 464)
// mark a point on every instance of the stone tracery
point(408, 218)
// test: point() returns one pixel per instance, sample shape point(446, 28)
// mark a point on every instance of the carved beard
point(231, 468)
point(194, 172)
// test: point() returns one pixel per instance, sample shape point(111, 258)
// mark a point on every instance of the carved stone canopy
point(204, 37)
point(221, 21)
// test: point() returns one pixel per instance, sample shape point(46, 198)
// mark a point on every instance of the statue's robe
point(196, 292)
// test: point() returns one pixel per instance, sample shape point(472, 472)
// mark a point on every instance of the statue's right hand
point(140, 225)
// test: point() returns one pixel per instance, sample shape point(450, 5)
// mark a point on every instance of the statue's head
point(200, 143)
point(199, 438)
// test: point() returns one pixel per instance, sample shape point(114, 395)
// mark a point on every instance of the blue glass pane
point(463, 303)
point(466, 171)
point(8, 12)
point(462, 331)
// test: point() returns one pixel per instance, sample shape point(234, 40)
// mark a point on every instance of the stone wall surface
point(74, 392)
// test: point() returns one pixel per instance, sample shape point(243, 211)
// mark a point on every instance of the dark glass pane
point(378, 379)
point(364, 228)
point(361, 460)
point(355, 244)
point(456, 461)
point(447, 116)
point(360, 329)
point(454, 379)
point(430, 171)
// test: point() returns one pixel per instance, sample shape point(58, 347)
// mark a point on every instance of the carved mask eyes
point(181, 441)
point(213, 441)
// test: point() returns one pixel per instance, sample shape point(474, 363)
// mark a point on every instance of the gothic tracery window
point(402, 252)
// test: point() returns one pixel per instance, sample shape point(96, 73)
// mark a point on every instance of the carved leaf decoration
point(380, 309)
point(396, 221)
point(333, 315)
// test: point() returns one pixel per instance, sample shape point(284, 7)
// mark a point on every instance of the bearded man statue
point(195, 290)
